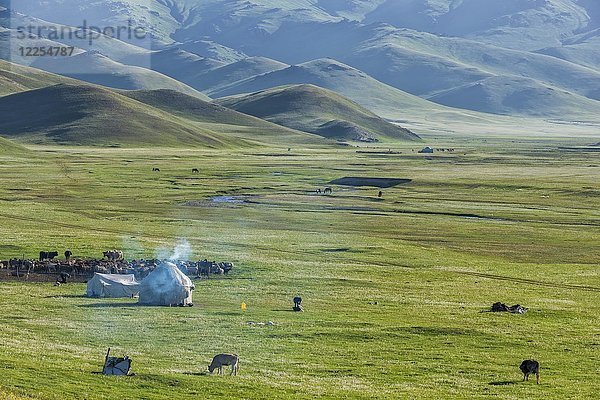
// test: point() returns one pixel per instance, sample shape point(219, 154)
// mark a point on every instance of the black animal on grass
point(68, 255)
point(380, 194)
point(328, 190)
point(63, 277)
point(529, 367)
point(297, 304)
point(155, 169)
point(48, 255)
point(195, 171)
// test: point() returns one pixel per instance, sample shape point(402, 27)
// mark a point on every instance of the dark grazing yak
point(48, 255)
point(530, 367)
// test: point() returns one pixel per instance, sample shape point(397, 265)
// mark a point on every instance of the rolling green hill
point(41, 107)
point(8, 147)
point(89, 115)
point(312, 109)
point(17, 78)
point(194, 109)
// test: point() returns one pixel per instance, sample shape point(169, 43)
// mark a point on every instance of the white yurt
point(166, 286)
point(112, 285)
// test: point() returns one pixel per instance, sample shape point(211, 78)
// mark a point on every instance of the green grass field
point(497, 220)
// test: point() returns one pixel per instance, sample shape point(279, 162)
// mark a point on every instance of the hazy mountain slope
point(583, 49)
point(413, 71)
point(214, 51)
point(11, 45)
point(519, 96)
point(395, 56)
point(152, 15)
point(517, 24)
point(217, 80)
point(88, 115)
point(109, 46)
point(95, 68)
point(312, 109)
point(351, 83)
point(175, 63)
point(16, 78)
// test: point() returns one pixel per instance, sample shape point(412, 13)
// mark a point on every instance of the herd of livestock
point(113, 262)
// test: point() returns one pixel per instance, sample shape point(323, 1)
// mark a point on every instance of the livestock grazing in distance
point(328, 190)
point(195, 171)
point(155, 169)
point(221, 360)
point(48, 255)
point(529, 367)
point(68, 255)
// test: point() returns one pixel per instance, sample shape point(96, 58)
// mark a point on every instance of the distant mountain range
point(399, 59)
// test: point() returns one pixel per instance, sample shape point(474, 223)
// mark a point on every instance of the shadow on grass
point(503, 383)
point(108, 305)
point(68, 296)
point(203, 373)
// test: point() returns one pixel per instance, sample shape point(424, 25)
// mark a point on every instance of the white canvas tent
point(112, 285)
point(166, 286)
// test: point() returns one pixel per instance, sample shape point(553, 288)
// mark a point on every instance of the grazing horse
point(195, 171)
point(328, 190)
point(530, 367)
point(155, 169)
point(221, 360)
point(48, 255)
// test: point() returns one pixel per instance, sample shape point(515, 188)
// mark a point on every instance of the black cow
point(68, 255)
point(380, 194)
point(48, 255)
point(195, 171)
point(328, 190)
point(530, 367)
point(155, 169)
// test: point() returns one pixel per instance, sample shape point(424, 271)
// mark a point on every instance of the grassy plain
point(497, 220)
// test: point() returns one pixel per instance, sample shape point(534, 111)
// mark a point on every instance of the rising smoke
point(181, 251)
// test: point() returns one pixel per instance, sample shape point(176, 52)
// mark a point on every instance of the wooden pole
point(106, 359)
